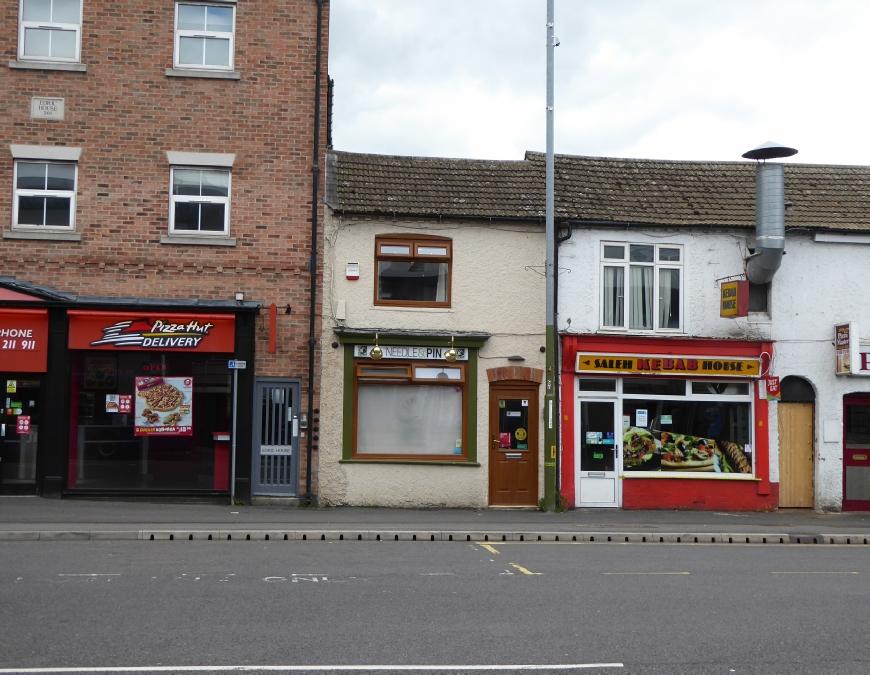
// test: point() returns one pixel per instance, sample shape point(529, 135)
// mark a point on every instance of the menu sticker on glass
point(125, 403)
point(164, 406)
point(22, 425)
point(112, 403)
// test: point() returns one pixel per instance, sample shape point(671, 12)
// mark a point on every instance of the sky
point(660, 79)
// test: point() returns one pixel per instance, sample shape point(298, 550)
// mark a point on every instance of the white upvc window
point(199, 201)
point(204, 35)
point(642, 287)
point(50, 30)
point(45, 195)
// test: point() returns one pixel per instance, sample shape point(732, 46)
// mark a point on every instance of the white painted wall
point(818, 286)
point(492, 291)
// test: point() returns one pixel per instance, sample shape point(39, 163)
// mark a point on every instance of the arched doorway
point(796, 443)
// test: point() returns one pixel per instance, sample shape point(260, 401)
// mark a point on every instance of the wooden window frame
point(411, 380)
point(414, 243)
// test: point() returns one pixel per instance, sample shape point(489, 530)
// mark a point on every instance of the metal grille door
point(276, 438)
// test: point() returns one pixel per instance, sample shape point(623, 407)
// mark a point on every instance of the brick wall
point(125, 113)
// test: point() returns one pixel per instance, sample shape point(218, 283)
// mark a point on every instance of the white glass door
point(597, 453)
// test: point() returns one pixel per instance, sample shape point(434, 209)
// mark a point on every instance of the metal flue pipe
point(769, 212)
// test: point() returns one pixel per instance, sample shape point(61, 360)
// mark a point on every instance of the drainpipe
point(312, 264)
point(769, 212)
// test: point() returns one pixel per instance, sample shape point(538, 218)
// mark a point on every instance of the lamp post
point(551, 416)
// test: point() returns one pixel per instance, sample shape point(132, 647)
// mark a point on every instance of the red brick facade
point(125, 113)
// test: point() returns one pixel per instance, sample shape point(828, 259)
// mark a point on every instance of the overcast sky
point(665, 79)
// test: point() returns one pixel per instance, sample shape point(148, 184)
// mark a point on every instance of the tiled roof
point(594, 189)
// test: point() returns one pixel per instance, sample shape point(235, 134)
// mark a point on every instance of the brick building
point(160, 187)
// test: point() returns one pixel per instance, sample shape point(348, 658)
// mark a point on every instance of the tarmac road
point(653, 608)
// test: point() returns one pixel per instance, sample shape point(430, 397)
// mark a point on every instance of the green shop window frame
point(349, 343)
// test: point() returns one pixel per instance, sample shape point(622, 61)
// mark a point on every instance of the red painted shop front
point(665, 423)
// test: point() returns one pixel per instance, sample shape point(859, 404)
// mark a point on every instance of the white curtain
point(669, 298)
point(614, 296)
point(640, 300)
point(441, 290)
point(408, 419)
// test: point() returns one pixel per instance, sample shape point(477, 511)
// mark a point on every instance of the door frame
point(852, 504)
point(812, 440)
point(295, 463)
point(526, 390)
point(617, 451)
point(28, 488)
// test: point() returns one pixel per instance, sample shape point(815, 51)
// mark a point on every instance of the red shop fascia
point(669, 358)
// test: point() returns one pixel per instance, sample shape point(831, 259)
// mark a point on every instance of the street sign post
point(235, 366)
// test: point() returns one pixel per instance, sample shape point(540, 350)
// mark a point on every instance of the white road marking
point(437, 574)
point(814, 573)
point(200, 669)
point(88, 575)
point(644, 573)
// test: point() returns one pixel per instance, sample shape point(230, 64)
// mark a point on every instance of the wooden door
point(795, 455)
point(513, 447)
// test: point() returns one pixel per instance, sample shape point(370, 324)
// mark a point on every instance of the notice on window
point(23, 424)
point(164, 406)
point(642, 418)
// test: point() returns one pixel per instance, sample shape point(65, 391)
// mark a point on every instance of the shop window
point(709, 432)
point(50, 30)
point(641, 287)
point(200, 201)
point(413, 271)
point(45, 195)
point(204, 36)
point(758, 297)
point(411, 411)
point(597, 384)
point(147, 420)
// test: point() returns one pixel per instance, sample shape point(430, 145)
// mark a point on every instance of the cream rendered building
point(420, 255)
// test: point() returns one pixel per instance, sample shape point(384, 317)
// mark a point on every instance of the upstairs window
point(204, 36)
point(641, 287)
point(413, 271)
point(50, 30)
point(45, 195)
point(200, 202)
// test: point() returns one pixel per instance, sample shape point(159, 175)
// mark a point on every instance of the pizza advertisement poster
point(164, 406)
point(646, 450)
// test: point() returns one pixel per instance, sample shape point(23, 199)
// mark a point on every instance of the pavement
point(35, 518)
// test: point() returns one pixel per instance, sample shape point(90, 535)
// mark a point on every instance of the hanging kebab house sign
point(163, 405)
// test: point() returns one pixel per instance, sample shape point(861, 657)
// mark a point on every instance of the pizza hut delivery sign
point(155, 332)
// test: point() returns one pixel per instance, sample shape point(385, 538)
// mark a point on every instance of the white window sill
point(193, 240)
point(49, 65)
point(433, 310)
point(208, 74)
point(641, 333)
point(48, 235)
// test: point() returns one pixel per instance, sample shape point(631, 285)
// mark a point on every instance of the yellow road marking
point(488, 548)
point(645, 573)
point(525, 571)
point(814, 573)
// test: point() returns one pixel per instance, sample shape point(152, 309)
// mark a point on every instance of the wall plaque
point(46, 108)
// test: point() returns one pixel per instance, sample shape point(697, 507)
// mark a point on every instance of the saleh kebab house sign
point(707, 366)
point(152, 332)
